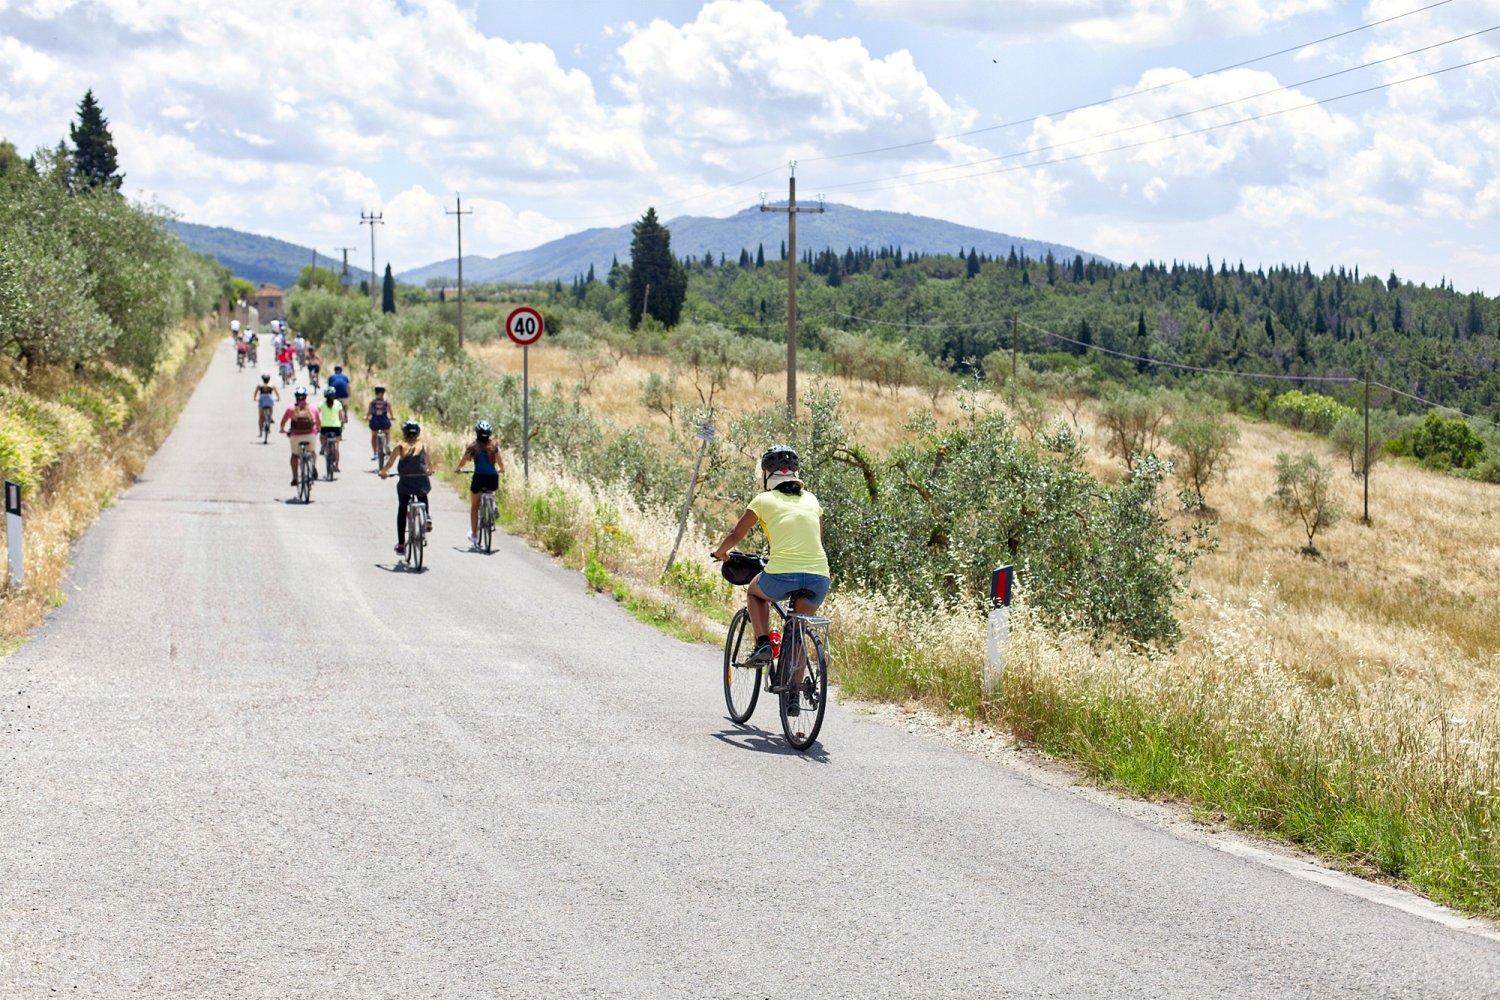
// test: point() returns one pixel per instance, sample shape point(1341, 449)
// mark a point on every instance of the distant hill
point(842, 226)
point(256, 258)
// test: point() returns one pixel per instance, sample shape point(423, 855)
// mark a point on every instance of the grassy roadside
point(111, 445)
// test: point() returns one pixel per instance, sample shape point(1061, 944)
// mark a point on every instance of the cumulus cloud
point(1113, 22)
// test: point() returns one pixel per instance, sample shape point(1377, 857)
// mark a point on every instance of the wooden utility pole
point(1365, 460)
point(372, 219)
point(344, 274)
point(459, 214)
point(791, 211)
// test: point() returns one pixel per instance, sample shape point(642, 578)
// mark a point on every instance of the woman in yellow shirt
point(793, 522)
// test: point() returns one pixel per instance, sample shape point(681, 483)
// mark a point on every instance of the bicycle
point(239, 359)
point(416, 532)
point(798, 672)
point(382, 448)
point(488, 515)
point(329, 449)
point(250, 356)
point(307, 471)
point(265, 425)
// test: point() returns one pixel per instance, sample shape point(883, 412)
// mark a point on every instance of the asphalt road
point(249, 758)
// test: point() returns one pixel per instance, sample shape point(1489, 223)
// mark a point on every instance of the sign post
point(524, 325)
point(999, 638)
point(13, 533)
point(705, 435)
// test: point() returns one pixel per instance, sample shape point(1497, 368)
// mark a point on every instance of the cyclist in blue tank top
point(381, 414)
point(488, 465)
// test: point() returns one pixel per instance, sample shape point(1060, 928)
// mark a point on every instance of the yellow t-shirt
point(792, 526)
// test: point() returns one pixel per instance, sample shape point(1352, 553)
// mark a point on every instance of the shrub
point(1304, 494)
point(1202, 443)
point(1308, 411)
point(1132, 425)
point(1444, 443)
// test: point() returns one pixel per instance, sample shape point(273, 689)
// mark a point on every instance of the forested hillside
point(1149, 322)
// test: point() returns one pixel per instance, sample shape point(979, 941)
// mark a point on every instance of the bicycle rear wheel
point(810, 695)
point(328, 459)
point(487, 523)
point(418, 546)
point(309, 467)
point(741, 679)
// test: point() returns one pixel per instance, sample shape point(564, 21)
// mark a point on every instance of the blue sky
point(289, 119)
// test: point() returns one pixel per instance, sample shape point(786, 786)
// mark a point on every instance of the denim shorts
point(777, 586)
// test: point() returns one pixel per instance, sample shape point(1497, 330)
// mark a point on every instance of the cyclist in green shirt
point(793, 522)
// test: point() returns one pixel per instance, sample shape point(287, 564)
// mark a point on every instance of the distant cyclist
point(266, 396)
point(332, 416)
point(339, 381)
point(314, 365)
point(300, 346)
point(303, 421)
point(413, 468)
point(488, 465)
point(252, 342)
point(793, 522)
point(284, 356)
point(380, 413)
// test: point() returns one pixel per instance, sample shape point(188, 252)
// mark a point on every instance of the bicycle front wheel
point(809, 695)
point(741, 679)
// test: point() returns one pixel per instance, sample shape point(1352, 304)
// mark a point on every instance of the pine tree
point(388, 292)
point(971, 268)
point(94, 162)
point(591, 279)
point(652, 264)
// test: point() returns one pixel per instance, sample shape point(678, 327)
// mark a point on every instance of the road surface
point(250, 757)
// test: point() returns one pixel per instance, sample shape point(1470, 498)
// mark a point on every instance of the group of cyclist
point(788, 514)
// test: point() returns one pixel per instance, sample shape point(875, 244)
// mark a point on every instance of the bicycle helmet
point(778, 458)
point(484, 429)
point(330, 392)
point(410, 428)
point(300, 392)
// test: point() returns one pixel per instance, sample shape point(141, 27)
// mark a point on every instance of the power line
point(1166, 138)
point(1168, 118)
point(1126, 96)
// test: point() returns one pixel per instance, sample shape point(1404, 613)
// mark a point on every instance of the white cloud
point(1109, 22)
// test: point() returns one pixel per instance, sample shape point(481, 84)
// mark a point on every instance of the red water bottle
point(775, 644)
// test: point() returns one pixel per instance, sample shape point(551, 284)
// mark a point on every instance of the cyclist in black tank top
point(413, 465)
point(380, 414)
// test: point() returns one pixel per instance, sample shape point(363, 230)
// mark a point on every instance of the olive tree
point(1304, 494)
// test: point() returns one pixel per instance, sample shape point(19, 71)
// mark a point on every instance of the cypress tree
point(388, 292)
point(94, 162)
point(652, 264)
point(760, 255)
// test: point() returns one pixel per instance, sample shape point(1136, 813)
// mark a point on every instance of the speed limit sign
point(524, 324)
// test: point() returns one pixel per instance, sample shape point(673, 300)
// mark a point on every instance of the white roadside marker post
point(994, 664)
point(13, 533)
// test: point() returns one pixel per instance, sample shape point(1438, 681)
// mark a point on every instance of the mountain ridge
point(279, 262)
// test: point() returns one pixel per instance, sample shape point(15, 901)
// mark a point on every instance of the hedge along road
point(248, 758)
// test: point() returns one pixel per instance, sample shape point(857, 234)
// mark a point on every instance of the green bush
point(1308, 411)
point(1444, 443)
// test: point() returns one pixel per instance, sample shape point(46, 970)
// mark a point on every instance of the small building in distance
point(267, 301)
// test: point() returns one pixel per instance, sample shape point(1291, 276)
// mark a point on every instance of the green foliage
point(1309, 411)
point(1444, 443)
point(1132, 423)
point(1304, 495)
point(1348, 436)
point(707, 354)
point(1201, 445)
point(95, 162)
point(658, 282)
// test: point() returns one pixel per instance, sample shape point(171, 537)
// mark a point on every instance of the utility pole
point(344, 274)
point(791, 211)
point(459, 214)
point(372, 219)
point(1365, 461)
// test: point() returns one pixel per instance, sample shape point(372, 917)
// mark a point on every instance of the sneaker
point(793, 703)
point(401, 549)
point(294, 480)
point(761, 654)
point(473, 542)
